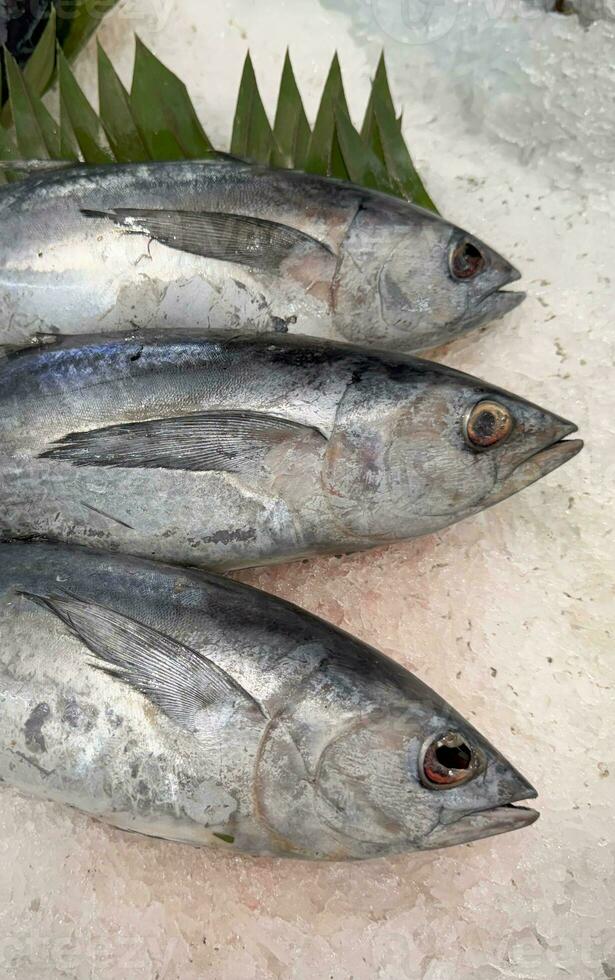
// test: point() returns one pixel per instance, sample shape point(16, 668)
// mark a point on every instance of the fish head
point(423, 280)
point(419, 446)
point(364, 760)
point(417, 776)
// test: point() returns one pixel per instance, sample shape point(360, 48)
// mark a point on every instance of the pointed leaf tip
point(324, 154)
point(167, 123)
point(291, 129)
point(116, 114)
point(252, 136)
point(36, 132)
point(157, 120)
point(84, 122)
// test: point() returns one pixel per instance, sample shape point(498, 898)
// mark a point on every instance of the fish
point(237, 452)
point(185, 706)
point(225, 245)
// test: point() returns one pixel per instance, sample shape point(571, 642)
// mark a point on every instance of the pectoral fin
point(229, 441)
point(239, 238)
point(177, 679)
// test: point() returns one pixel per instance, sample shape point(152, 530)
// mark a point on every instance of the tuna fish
point(238, 452)
point(227, 246)
point(188, 707)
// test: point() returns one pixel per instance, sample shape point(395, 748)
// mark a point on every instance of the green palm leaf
point(84, 122)
point(116, 115)
point(291, 129)
point(168, 123)
point(70, 23)
point(157, 120)
point(252, 135)
point(81, 23)
point(324, 154)
point(40, 68)
point(36, 132)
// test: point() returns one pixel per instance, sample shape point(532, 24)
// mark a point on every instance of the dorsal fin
point(231, 441)
point(240, 238)
point(180, 681)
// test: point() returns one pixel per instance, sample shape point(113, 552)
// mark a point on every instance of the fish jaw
point(486, 822)
point(494, 305)
point(498, 303)
point(538, 464)
point(546, 460)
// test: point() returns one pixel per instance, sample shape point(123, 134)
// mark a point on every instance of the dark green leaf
point(84, 122)
point(163, 112)
point(337, 164)
point(252, 138)
point(8, 151)
point(380, 88)
point(116, 115)
point(381, 92)
point(158, 121)
point(362, 164)
point(291, 129)
point(8, 147)
point(382, 129)
point(69, 148)
point(399, 162)
point(227, 838)
point(35, 130)
point(324, 155)
point(40, 68)
point(81, 20)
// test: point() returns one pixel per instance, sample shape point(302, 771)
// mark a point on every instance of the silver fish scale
point(105, 705)
point(248, 451)
point(225, 246)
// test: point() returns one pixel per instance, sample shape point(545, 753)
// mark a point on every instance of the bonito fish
point(238, 452)
point(185, 706)
point(226, 245)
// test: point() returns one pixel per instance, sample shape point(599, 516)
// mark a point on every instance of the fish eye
point(447, 761)
point(487, 424)
point(466, 260)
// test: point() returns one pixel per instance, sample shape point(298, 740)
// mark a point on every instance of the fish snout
point(541, 456)
point(487, 821)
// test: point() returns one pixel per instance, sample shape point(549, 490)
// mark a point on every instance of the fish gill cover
point(132, 127)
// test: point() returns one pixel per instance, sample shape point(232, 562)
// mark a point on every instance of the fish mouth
point(538, 464)
point(488, 822)
point(545, 460)
point(499, 301)
point(493, 305)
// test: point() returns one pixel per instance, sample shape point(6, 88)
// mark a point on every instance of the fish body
point(239, 451)
point(185, 706)
point(228, 246)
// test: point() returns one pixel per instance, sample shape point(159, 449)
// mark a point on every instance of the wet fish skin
point(185, 706)
point(227, 246)
point(238, 452)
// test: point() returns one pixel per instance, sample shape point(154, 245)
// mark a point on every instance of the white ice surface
point(509, 112)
